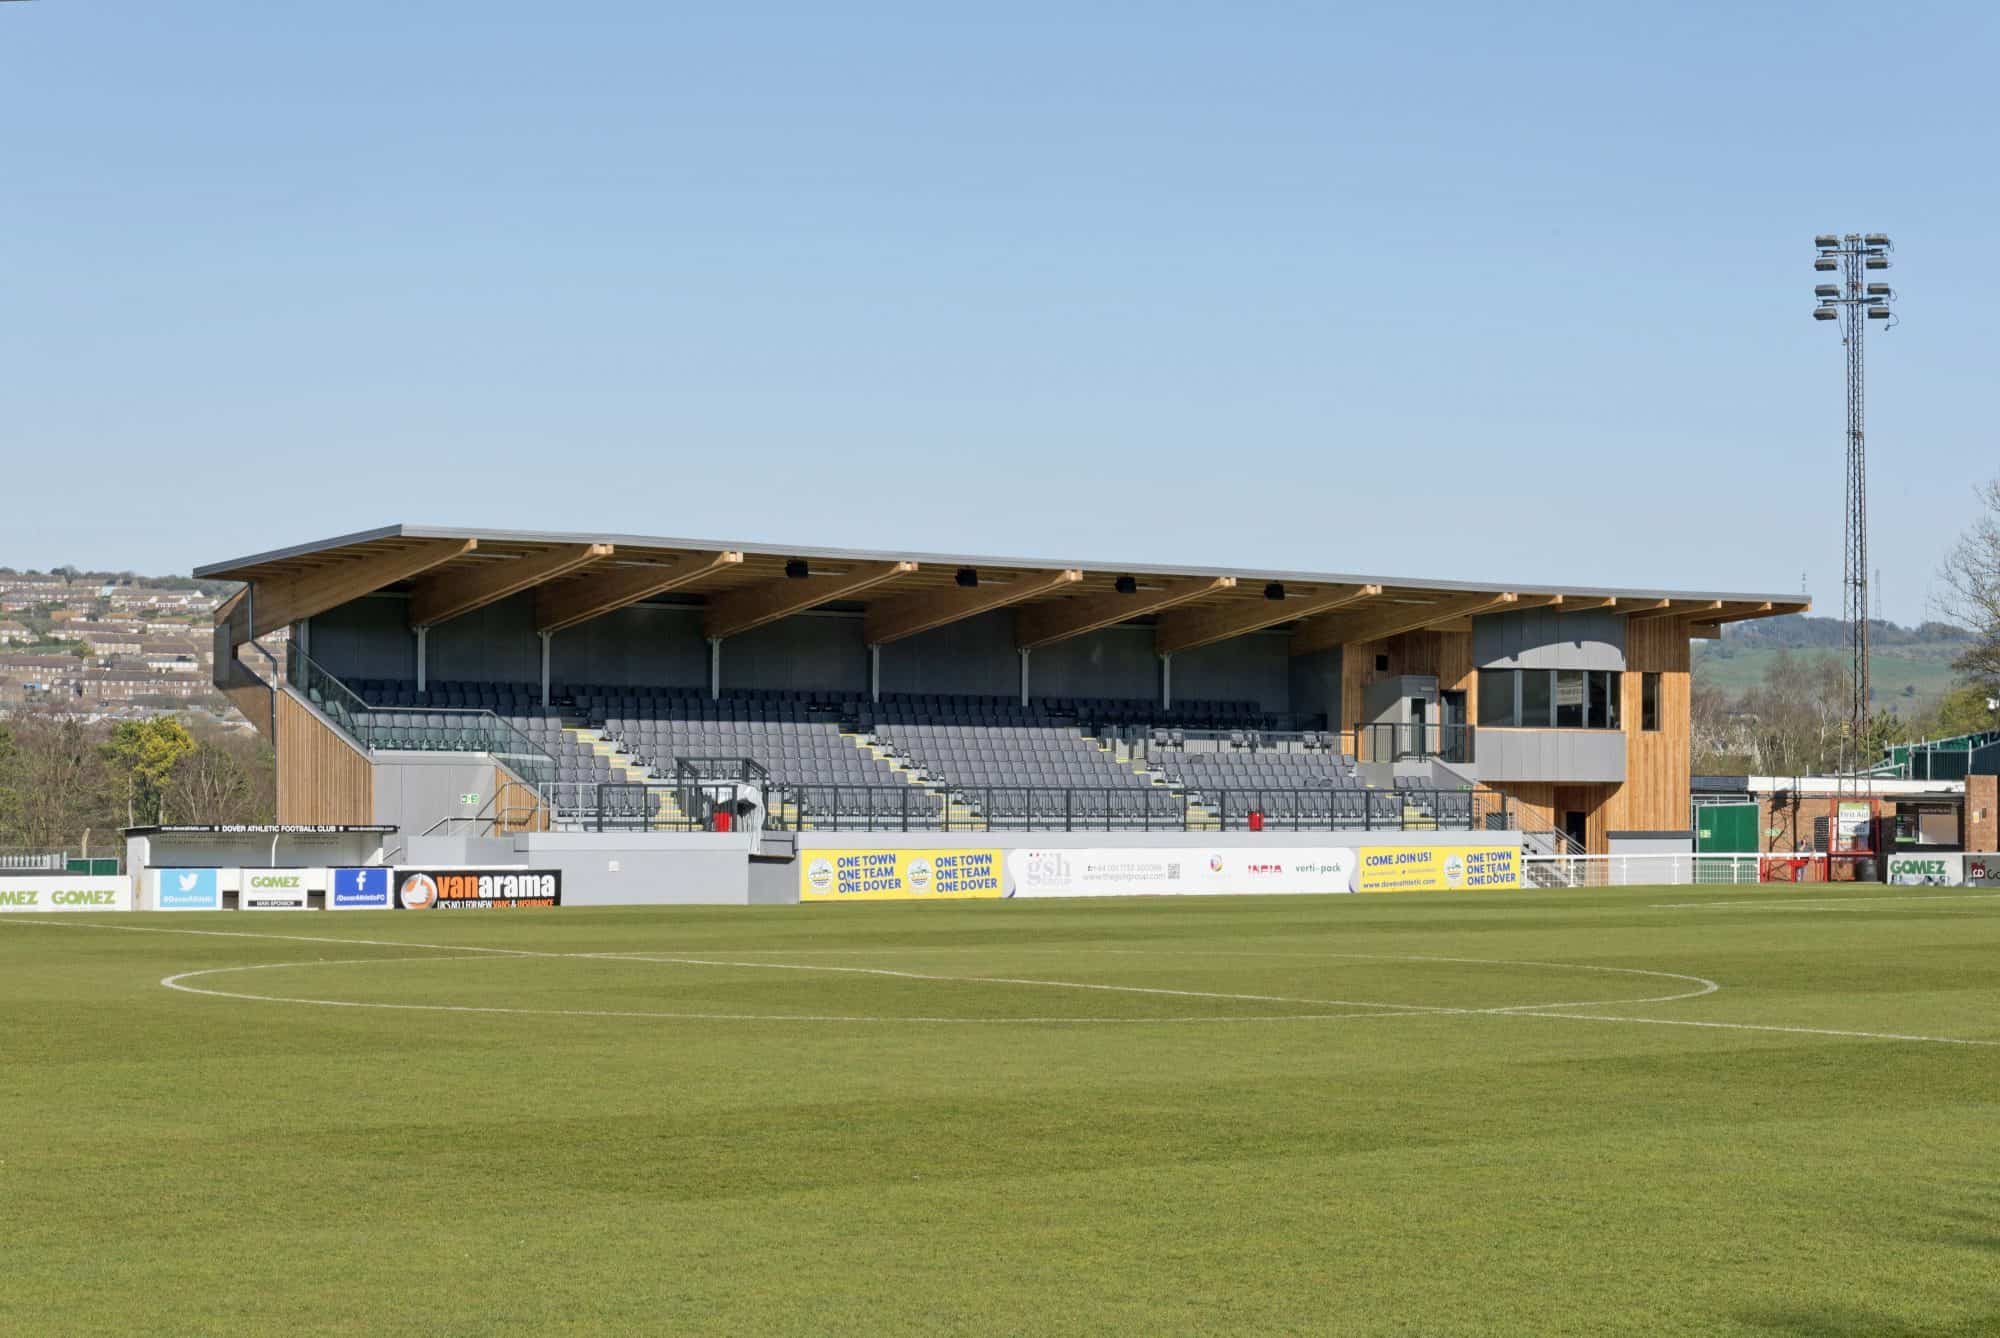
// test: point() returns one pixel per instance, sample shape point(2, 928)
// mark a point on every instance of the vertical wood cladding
point(1447, 655)
point(321, 777)
point(1654, 797)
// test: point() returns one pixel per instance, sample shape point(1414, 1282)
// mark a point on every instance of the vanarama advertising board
point(898, 875)
point(1437, 868)
point(477, 889)
point(65, 892)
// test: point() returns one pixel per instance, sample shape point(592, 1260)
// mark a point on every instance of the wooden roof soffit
point(1387, 620)
point(735, 612)
point(902, 616)
point(445, 595)
point(1191, 628)
point(597, 593)
point(1059, 620)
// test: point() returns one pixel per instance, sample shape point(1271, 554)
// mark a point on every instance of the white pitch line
point(1816, 903)
point(1754, 1026)
point(1012, 980)
point(177, 982)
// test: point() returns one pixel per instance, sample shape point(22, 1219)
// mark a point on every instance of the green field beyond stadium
point(1655, 1110)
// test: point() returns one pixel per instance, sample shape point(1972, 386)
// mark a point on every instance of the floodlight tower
point(1856, 302)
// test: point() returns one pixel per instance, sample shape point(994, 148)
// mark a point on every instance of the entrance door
point(1452, 740)
point(1417, 745)
point(1576, 827)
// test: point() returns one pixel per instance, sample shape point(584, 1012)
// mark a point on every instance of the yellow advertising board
point(1437, 868)
point(898, 875)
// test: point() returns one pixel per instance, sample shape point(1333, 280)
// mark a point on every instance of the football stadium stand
point(524, 681)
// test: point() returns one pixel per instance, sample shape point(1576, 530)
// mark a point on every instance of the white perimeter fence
point(1637, 870)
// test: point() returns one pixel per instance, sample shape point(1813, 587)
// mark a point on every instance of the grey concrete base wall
point(648, 869)
point(1650, 843)
point(1353, 840)
point(415, 790)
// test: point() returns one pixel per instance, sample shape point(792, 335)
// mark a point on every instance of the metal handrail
point(367, 724)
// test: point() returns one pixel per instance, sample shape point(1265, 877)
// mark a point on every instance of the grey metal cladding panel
point(638, 644)
point(1314, 684)
point(974, 655)
point(1113, 662)
point(1567, 756)
point(1246, 668)
point(809, 651)
point(366, 638)
point(1545, 639)
point(492, 644)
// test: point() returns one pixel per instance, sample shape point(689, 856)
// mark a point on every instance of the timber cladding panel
point(1447, 655)
point(321, 777)
point(1654, 797)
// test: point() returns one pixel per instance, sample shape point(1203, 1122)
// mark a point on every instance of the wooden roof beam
point(906, 615)
point(735, 612)
point(1387, 620)
point(1059, 620)
point(1735, 611)
point(285, 600)
point(1190, 629)
point(1585, 603)
point(600, 592)
point(446, 595)
point(1678, 608)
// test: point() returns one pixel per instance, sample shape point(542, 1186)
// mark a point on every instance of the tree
point(146, 753)
point(1971, 598)
point(227, 778)
point(61, 784)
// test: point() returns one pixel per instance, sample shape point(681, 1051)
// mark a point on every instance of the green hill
point(1906, 679)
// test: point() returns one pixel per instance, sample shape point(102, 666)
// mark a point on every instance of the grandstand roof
point(451, 570)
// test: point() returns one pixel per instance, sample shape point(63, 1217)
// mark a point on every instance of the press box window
point(1649, 702)
point(1496, 697)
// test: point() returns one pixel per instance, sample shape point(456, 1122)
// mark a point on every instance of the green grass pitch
point(1416, 1114)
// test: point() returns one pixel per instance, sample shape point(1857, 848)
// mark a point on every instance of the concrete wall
point(1545, 639)
point(652, 869)
point(1572, 756)
point(414, 790)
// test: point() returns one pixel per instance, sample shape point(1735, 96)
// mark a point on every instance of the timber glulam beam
point(1046, 624)
point(1706, 609)
point(1192, 628)
point(281, 601)
point(902, 616)
point(1735, 611)
point(596, 593)
point(738, 611)
point(1586, 603)
point(445, 595)
point(1387, 620)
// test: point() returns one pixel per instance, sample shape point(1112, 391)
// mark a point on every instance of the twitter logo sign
point(190, 890)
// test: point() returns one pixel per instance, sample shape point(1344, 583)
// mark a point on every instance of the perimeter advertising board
point(65, 892)
point(188, 889)
point(359, 889)
point(1438, 868)
point(1927, 870)
point(1139, 871)
point(478, 889)
point(899, 875)
point(278, 889)
point(1982, 870)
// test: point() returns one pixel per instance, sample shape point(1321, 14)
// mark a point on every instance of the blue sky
point(1454, 291)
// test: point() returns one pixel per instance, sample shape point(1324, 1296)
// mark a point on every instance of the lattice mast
point(1854, 301)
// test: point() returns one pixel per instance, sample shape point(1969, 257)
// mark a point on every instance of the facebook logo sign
point(359, 890)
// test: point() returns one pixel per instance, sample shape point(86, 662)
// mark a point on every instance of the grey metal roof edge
point(975, 560)
point(300, 550)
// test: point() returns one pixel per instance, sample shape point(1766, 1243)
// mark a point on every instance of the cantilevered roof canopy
point(448, 572)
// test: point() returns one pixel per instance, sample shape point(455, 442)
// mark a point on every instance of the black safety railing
point(1411, 743)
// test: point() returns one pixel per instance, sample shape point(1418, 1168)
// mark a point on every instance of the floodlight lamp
point(1826, 264)
point(1126, 585)
point(1876, 239)
point(1826, 241)
point(1824, 313)
point(1879, 290)
point(1826, 290)
point(797, 570)
point(1876, 262)
point(968, 577)
point(1878, 313)
point(1275, 591)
